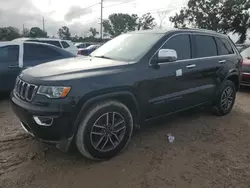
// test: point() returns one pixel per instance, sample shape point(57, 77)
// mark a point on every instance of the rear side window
point(205, 46)
point(181, 44)
point(52, 42)
point(65, 44)
point(9, 53)
point(224, 47)
point(39, 52)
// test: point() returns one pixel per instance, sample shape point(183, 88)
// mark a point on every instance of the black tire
point(220, 108)
point(85, 136)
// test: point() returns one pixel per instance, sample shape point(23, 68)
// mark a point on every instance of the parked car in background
point(97, 101)
point(88, 50)
point(242, 47)
point(245, 78)
point(64, 44)
point(82, 44)
point(18, 55)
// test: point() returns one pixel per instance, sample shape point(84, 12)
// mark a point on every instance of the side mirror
point(167, 55)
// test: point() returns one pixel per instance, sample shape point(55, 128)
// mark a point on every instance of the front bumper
point(60, 132)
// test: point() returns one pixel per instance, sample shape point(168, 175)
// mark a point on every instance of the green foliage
point(147, 21)
point(119, 23)
point(9, 33)
point(64, 33)
point(37, 32)
point(219, 15)
point(93, 32)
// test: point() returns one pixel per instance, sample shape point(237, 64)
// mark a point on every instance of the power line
point(119, 4)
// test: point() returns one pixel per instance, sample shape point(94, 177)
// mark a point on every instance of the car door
point(201, 73)
point(35, 54)
point(167, 86)
point(9, 66)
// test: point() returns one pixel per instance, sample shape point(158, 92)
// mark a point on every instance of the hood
point(72, 68)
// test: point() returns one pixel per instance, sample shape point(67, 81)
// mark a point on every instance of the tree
point(219, 15)
point(93, 32)
point(64, 33)
point(9, 33)
point(120, 23)
point(37, 32)
point(238, 10)
point(147, 21)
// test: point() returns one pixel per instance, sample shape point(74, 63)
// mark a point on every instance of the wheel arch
point(234, 77)
point(126, 97)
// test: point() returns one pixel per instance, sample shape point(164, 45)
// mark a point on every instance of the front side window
point(65, 44)
point(181, 44)
point(39, 52)
point(205, 46)
point(9, 53)
point(128, 47)
point(224, 47)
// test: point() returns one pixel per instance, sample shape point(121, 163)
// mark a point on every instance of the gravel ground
point(208, 151)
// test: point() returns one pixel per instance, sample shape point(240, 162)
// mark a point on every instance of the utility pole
point(23, 28)
point(43, 24)
point(101, 19)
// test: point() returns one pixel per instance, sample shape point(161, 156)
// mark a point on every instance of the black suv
point(97, 101)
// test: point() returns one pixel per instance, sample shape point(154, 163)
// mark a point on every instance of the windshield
point(128, 47)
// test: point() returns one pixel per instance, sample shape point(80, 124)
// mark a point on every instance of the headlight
point(53, 91)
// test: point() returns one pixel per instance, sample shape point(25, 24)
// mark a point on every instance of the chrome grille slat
point(25, 90)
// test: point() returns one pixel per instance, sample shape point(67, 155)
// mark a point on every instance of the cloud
point(76, 12)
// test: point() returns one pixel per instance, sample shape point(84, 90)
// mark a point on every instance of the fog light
point(43, 121)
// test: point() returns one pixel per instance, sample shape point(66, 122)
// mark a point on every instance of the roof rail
point(200, 29)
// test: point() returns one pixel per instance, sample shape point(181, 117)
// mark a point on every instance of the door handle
point(190, 66)
point(222, 61)
point(13, 66)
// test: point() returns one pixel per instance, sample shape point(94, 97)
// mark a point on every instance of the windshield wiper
point(102, 56)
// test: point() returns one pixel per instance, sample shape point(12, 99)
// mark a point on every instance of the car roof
point(21, 41)
point(193, 30)
point(44, 39)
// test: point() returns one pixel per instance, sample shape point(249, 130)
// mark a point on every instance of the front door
point(9, 67)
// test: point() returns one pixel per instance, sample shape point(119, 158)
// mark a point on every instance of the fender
point(90, 101)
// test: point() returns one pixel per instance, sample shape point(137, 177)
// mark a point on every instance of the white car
point(64, 44)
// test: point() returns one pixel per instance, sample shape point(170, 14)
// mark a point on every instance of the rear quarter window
point(65, 44)
point(224, 47)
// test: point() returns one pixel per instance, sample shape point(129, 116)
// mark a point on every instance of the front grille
point(25, 90)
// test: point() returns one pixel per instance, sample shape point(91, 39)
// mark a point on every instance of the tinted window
point(52, 42)
point(39, 52)
point(224, 47)
point(9, 53)
point(205, 46)
point(181, 44)
point(65, 44)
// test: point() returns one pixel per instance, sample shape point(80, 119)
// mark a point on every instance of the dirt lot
point(208, 151)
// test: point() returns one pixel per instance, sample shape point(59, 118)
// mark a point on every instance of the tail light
point(79, 52)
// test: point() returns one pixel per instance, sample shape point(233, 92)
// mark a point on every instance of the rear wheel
point(105, 130)
point(225, 99)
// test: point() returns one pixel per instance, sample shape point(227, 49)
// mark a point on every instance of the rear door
point(9, 66)
point(201, 73)
point(35, 54)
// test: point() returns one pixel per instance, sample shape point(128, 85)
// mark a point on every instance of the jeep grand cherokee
point(96, 101)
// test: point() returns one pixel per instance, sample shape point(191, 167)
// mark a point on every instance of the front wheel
point(105, 130)
point(225, 99)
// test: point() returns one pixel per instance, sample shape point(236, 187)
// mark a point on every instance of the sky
point(79, 15)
